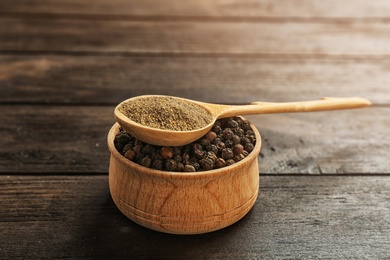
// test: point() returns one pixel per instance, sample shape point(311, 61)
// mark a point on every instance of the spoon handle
point(328, 103)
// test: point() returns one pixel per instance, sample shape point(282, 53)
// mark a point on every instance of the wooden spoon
point(178, 138)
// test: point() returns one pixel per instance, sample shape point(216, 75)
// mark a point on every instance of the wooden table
point(325, 176)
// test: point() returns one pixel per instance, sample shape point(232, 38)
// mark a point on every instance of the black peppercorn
point(121, 139)
point(232, 123)
point(249, 132)
point(189, 168)
point(219, 163)
point(213, 148)
point(230, 162)
point(252, 138)
point(156, 155)
point(171, 165)
point(249, 147)
point(223, 122)
point(211, 155)
point(166, 152)
point(217, 141)
point(193, 160)
point(187, 148)
point(239, 131)
point(177, 158)
point(180, 167)
point(206, 164)
point(210, 136)
point(238, 148)
point(227, 153)
point(199, 153)
point(197, 146)
point(138, 157)
point(246, 126)
point(138, 148)
point(228, 133)
point(204, 142)
point(229, 143)
point(126, 148)
point(176, 151)
point(220, 146)
point(238, 157)
point(157, 164)
point(130, 154)
point(217, 127)
point(196, 166)
point(245, 140)
point(239, 121)
point(185, 158)
point(146, 161)
point(236, 139)
point(148, 149)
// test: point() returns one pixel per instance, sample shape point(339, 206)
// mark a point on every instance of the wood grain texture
point(73, 35)
point(72, 139)
point(65, 64)
point(42, 139)
point(294, 217)
point(341, 142)
point(202, 8)
point(111, 79)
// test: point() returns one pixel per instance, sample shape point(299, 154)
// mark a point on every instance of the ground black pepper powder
point(166, 113)
point(212, 151)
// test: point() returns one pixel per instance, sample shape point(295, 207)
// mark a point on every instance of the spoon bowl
point(163, 137)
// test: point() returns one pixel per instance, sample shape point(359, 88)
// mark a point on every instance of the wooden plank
point(50, 139)
point(294, 217)
point(70, 35)
point(110, 79)
point(337, 142)
point(63, 139)
point(202, 8)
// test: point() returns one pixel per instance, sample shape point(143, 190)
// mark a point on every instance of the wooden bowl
point(182, 202)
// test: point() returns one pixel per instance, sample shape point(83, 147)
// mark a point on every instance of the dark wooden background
point(325, 176)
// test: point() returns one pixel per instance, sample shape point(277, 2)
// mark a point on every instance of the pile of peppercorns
point(229, 141)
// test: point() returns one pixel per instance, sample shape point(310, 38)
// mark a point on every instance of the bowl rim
point(182, 175)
